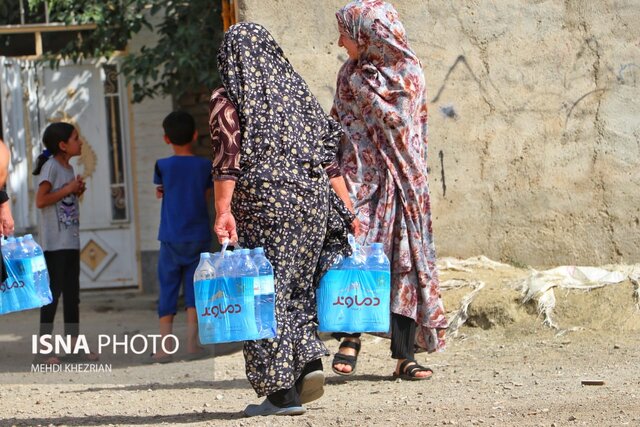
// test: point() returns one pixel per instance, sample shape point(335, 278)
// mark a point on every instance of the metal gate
point(92, 97)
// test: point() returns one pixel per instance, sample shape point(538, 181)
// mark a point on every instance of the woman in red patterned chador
point(381, 103)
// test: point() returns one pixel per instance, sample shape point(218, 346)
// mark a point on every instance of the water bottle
point(7, 253)
point(7, 247)
point(244, 263)
point(353, 262)
point(215, 263)
point(246, 274)
point(22, 263)
point(376, 317)
point(225, 267)
point(201, 290)
point(377, 260)
point(8, 298)
point(235, 257)
point(209, 288)
point(225, 294)
point(204, 270)
point(360, 254)
point(39, 268)
point(264, 291)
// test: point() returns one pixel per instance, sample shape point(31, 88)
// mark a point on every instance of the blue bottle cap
point(244, 251)
point(258, 250)
point(28, 236)
point(205, 255)
point(377, 245)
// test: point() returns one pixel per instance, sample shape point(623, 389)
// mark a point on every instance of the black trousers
point(403, 336)
point(64, 279)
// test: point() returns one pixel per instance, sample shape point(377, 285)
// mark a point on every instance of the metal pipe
point(22, 12)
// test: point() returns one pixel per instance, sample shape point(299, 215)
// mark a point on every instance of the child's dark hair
point(179, 127)
point(53, 135)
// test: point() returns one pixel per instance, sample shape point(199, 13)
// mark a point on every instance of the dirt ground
point(503, 367)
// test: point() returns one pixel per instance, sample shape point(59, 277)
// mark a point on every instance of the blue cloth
point(176, 265)
point(184, 216)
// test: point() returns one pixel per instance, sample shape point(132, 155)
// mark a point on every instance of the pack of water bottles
point(27, 284)
point(235, 298)
point(354, 295)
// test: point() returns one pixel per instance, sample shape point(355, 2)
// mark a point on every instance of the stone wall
point(534, 119)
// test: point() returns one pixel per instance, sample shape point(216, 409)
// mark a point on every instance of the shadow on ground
point(93, 420)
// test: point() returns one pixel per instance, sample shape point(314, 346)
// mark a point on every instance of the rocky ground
point(502, 367)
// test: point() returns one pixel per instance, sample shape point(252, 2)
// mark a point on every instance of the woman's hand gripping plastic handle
point(225, 228)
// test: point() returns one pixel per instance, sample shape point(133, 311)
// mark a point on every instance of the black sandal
point(346, 359)
point(408, 371)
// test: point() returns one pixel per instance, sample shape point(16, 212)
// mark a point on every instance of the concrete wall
point(539, 163)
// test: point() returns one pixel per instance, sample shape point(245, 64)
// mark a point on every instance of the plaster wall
point(534, 119)
point(148, 146)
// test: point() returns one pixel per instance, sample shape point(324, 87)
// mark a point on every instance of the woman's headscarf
point(375, 26)
point(277, 111)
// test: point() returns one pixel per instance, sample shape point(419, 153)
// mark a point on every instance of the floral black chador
point(282, 199)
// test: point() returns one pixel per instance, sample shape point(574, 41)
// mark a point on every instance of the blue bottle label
point(225, 309)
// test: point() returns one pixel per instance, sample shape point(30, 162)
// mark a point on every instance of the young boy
point(184, 184)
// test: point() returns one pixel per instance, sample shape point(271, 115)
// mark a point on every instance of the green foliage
point(182, 61)
point(116, 22)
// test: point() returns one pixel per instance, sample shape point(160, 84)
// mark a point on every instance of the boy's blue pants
point(176, 264)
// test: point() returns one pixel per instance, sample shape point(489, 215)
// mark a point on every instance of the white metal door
point(92, 97)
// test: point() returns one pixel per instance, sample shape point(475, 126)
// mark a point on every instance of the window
point(117, 166)
point(33, 40)
point(27, 31)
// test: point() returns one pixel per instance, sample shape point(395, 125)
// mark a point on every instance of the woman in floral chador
point(381, 103)
point(274, 166)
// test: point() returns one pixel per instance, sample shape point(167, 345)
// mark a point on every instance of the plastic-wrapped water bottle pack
point(354, 295)
point(27, 284)
point(235, 296)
